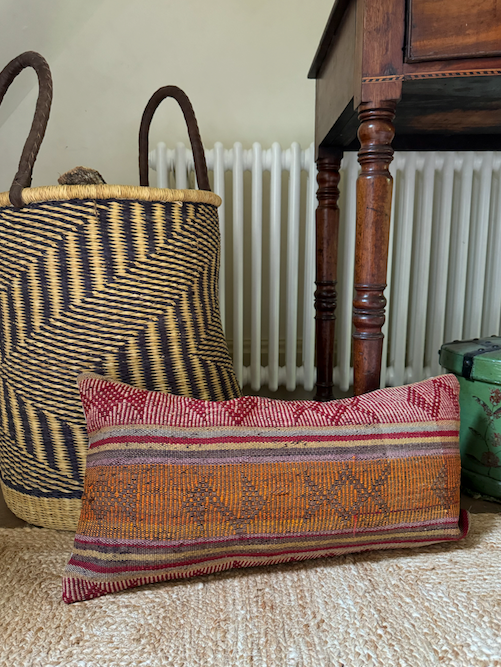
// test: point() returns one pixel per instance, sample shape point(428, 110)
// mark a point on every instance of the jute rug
point(438, 605)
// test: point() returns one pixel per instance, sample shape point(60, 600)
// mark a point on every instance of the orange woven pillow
point(177, 487)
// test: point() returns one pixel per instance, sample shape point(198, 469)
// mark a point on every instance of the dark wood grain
point(327, 228)
point(374, 187)
point(335, 80)
point(332, 28)
point(462, 67)
point(381, 30)
point(439, 29)
point(451, 113)
point(454, 105)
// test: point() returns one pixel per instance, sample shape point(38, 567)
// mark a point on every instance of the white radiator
point(444, 271)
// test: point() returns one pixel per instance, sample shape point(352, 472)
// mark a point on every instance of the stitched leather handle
point(30, 151)
point(193, 132)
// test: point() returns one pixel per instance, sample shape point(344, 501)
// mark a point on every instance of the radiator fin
point(444, 266)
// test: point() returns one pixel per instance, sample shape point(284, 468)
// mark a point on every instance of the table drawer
point(443, 29)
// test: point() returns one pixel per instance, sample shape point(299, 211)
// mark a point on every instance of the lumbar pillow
point(177, 487)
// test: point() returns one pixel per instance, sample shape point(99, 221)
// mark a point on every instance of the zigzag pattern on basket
point(125, 288)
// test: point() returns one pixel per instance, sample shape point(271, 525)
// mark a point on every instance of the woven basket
point(114, 279)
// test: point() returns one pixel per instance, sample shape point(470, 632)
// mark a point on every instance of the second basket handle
point(30, 151)
point(193, 132)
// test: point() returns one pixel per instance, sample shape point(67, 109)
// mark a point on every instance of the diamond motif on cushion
point(441, 489)
point(206, 497)
point(429, 404)
point(240, 410)
point(103, 499)
point(348, 485)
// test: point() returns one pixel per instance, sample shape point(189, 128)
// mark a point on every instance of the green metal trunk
point(477, 365)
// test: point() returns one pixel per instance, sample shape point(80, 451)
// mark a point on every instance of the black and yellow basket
point(114, 279)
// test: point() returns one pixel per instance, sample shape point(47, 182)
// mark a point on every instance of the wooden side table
point(402, 75)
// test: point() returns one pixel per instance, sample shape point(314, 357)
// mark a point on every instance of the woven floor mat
point(437, 605)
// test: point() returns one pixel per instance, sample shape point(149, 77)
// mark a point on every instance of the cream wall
point(244, 64)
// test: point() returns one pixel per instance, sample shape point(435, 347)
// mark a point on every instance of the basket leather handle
point(193, 132)
point(30, 151)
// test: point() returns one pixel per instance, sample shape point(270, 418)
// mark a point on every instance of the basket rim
point(129, 192)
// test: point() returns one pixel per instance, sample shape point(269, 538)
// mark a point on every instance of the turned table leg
point(374, 187)
point(327, 226)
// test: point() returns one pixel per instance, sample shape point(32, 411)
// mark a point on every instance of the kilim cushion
point(177, 487)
